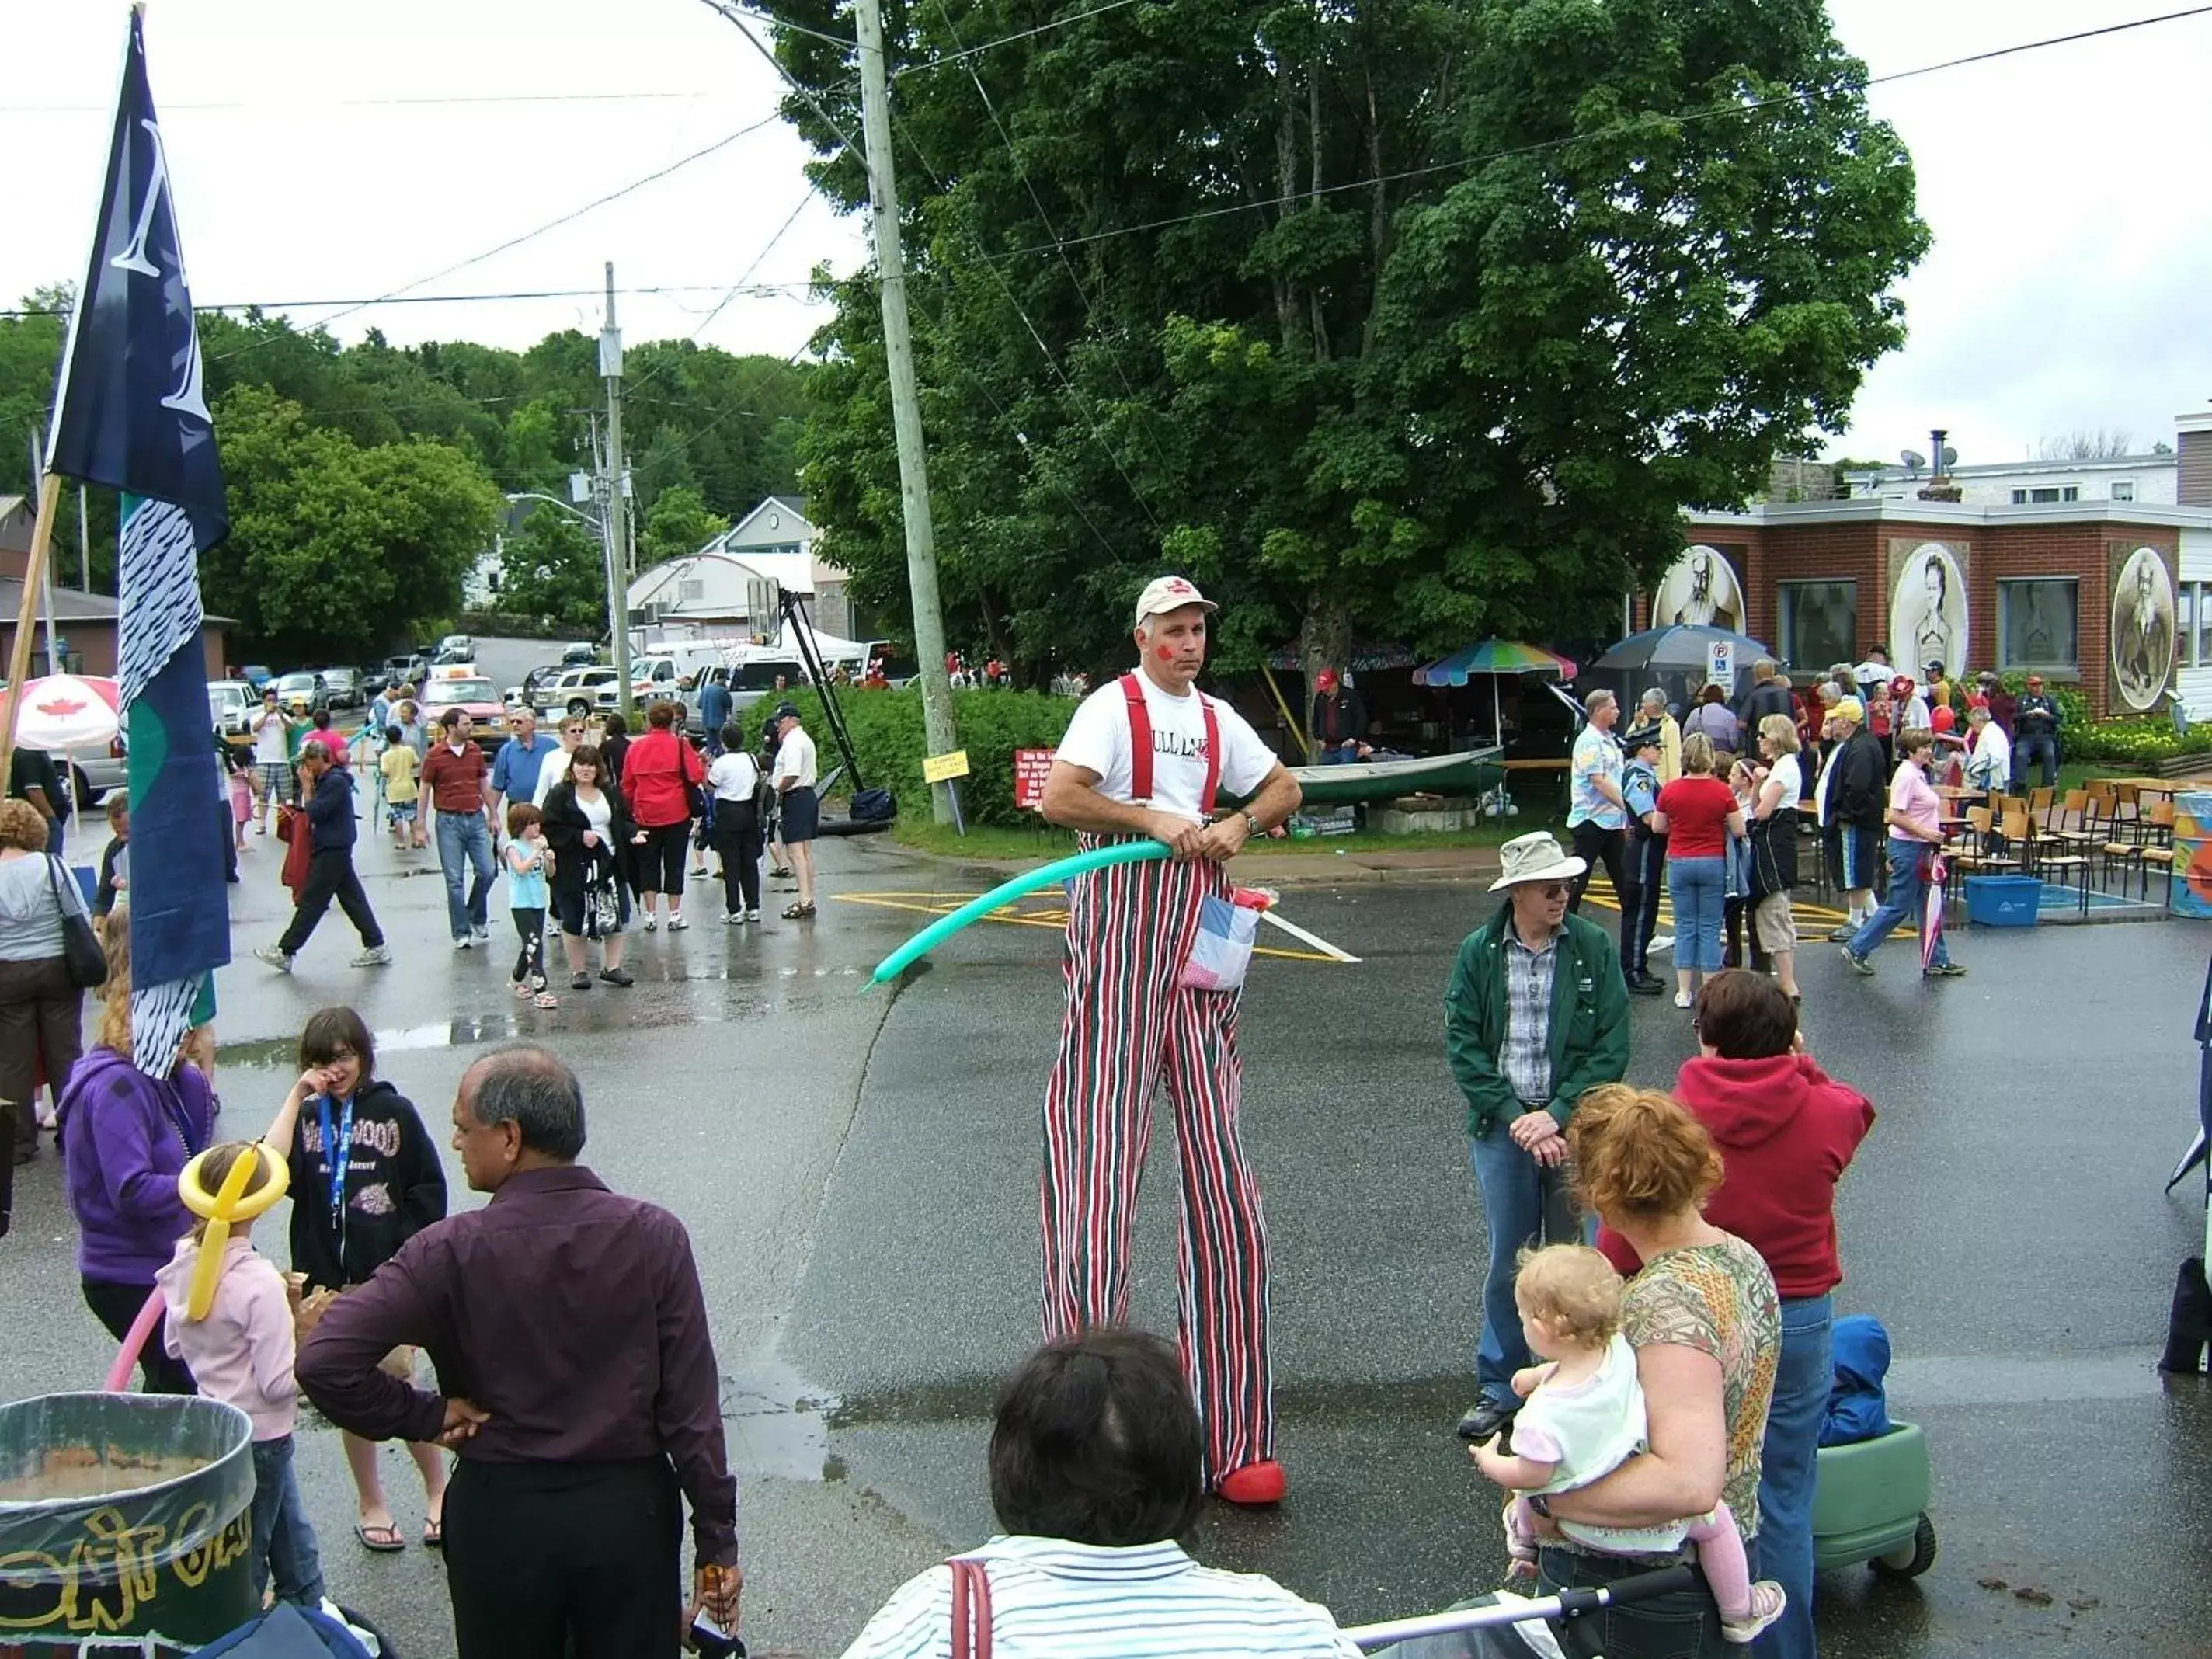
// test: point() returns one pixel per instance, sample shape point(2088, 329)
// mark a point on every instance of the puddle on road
point(778, 1425)
point(759, 994)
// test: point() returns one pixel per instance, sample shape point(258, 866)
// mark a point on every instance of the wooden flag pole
point(34, 573)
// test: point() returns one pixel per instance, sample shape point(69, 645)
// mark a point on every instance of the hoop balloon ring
point(228, 1204)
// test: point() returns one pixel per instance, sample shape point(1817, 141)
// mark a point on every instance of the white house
point(2147, 480)
point(706, 594)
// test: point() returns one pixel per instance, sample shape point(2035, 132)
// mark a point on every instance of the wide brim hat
point(1536, 857)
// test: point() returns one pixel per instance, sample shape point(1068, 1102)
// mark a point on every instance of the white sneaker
point(275, 957)
point(735, 919)
point(752, 916)
point(652, 924)
point(677, 924)
point(1660, 942)
point(377, 955)
point(464, 941)
point(481, 935)
point(1681, 998)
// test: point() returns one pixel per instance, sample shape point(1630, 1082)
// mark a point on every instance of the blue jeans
point(464, 840)
point(1699, 887)
point(1785, 1473)
point(1347, 754)
point(283, 1542)
point(2029, 752)
point(1522, 1203)
point(1907, 901)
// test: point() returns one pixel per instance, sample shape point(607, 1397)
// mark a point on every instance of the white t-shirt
point(596, 810)
point(271, 744)
point(554, 768)
point(733, 775)
point(1785, 770)
point(1590, 1429)
point(1991, 765)
point(794, 759)
point(1099, 741)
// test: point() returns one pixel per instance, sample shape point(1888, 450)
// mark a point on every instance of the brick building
point(2114, 596)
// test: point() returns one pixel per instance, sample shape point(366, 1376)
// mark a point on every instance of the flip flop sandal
point(434, 1536)
point(545, 1000)
point(522, 990)
point(384, 1541)
point(796, 912)
point(780, 873)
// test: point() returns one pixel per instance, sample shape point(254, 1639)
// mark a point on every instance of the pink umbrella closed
point(63, 712)
point(1931, 923)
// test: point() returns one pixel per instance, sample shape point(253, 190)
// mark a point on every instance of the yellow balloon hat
point(228, 1204)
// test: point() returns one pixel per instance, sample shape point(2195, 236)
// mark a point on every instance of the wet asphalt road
point(858, 1174)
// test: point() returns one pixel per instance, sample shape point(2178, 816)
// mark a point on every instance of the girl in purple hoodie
point(129, 1138)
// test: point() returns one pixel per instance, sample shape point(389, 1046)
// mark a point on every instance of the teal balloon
point(1131, 852)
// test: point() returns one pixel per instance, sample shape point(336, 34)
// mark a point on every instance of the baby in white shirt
point(1584, 1417)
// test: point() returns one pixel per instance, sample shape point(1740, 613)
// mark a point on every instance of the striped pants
point(1128, 1028)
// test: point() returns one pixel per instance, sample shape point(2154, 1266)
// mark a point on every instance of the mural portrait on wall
point(1700, 588)
point(2142, 627)
point(1926, 608)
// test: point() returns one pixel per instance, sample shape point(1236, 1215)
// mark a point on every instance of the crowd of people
point(592, 831)
point(1656, 1306)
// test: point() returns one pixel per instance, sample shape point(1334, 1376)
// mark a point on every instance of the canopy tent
point(1493, 657)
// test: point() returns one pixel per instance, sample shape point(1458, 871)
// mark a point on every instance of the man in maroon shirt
point(459, 809)
point(576, 1380)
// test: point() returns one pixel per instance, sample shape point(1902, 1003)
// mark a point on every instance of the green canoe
point(1468, 773)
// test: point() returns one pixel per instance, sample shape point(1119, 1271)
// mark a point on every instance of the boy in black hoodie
point(351, 1213)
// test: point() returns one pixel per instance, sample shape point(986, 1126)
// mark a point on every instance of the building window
point(1819, 622)
point(2203, 658)
point(2038, 623)
point(2123, 489)
point(2188, 600)
point(2046, 492)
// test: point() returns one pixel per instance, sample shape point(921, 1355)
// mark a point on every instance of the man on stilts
point(1144, 758)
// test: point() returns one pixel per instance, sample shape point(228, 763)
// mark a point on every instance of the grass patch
point(989, 841)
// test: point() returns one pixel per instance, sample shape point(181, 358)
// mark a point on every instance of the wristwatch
point(1253, 824)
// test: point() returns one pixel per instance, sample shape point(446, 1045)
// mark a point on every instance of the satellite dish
point(1950, 456)
point(1913, 459)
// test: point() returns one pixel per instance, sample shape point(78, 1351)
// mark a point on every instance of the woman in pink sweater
point(241, 1353)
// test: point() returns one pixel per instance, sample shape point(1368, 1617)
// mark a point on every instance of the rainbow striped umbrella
point(1493, 657)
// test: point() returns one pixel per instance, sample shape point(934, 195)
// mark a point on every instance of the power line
point(1625, 126)
point(1007, 39)
point(723, 142)
point(805, 287)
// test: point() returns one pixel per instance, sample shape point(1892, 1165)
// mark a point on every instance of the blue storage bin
point(2003, 901)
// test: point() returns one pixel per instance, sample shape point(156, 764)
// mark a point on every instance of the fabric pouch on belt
point(1223, 950)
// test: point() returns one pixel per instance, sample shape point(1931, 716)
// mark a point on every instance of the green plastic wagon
point(1870, 1504)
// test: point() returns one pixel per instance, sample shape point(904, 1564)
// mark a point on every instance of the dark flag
point(129, 413)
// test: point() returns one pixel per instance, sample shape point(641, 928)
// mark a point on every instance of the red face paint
point(1167, 654)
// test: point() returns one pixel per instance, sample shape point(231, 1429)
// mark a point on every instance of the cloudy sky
point(335, 153)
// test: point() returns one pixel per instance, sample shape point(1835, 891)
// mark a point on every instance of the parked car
point(655, 679)
point(454, 648)
point(525, 695)
point(303, 690)
point(579, 691)
point(473, 692)
point(580, 653)
point(408, 667)
point(344, 688)
point(749, 683)
point(255, 675)
point(94, 773)
point(231, 704)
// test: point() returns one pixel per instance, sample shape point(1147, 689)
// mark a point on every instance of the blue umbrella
point(1680, 645)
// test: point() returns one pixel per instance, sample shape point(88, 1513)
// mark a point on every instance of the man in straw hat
point(1853, 794)
point(1536, 1016)
point(1143, 758)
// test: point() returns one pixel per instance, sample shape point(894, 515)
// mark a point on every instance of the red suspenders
point(1140, 745)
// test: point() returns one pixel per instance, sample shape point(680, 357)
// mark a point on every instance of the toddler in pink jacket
point(241, 1353)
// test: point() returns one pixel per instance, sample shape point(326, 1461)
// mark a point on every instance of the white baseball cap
point(1169, 594)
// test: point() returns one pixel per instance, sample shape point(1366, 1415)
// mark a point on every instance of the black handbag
point(81, 950)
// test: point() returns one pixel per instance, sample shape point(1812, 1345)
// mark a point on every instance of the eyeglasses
point(1554, 889)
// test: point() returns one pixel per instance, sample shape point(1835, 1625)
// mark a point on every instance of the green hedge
point(2132, 744)
point(991, 724)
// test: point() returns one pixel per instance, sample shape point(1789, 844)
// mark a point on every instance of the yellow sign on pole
point(943, 768)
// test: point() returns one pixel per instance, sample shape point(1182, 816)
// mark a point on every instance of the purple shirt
point(125, 1147)
point(571, 1314)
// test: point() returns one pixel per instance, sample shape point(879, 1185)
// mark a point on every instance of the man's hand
point(715, 1591)
point(462, 1421)
point(1537, 1133)
point(1184, 838)
point(1224, 838)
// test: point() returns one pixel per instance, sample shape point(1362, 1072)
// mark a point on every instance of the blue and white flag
point(129, 413)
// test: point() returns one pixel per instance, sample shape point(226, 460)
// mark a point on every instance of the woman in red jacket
point(660, 773)
point(1786, 1133)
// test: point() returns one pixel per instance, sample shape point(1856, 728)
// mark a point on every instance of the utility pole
point(617, 514)
point(906, 406)
point(83, 546)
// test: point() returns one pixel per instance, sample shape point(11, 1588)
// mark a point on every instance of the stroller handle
point(1567, 1604)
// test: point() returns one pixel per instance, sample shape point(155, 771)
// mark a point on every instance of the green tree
point(555, 570)
point(1420, 319)
point(335, 548)
point(680, 524)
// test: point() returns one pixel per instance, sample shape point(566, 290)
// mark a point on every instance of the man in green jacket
point(1536, 1014)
